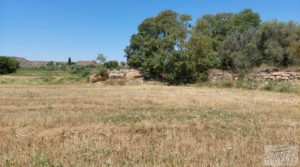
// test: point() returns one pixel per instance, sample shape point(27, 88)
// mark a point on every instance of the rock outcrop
point(123, 74)
point(133, 74)
point(95, 78)
point(258, 75)
point(115, 74)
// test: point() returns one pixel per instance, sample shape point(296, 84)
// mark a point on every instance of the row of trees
point(168, 47)
point(73, 67)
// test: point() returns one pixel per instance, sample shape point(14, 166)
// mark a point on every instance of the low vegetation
point(273, 86)
point(113, 64)
point(40, 76)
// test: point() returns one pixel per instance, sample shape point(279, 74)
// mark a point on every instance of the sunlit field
point(145, 125)
point(103, 83)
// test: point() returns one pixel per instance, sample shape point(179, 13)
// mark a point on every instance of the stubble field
point(146, 125)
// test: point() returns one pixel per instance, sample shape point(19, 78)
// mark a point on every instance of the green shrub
point(111, 64)
point(203, 76)
point(123, 63)
point(47, 78)
point(246, 84)
point(286, 88)
point(102, 71)
point(225, 84)
point(8, 65)
point(282, 86)
point(270, 86)
point(75, 69)
point(50, 65)
point(85, 73)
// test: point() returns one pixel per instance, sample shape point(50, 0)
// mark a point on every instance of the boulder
point(116, 74)
point(133, 74)
point(124, 74)
point(95, 78)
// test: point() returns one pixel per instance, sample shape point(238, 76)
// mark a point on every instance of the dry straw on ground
point(86, 125)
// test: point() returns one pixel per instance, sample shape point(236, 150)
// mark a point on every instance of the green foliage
point(281, 86)
point(123, 63)
point(8, 65)
point(233, 38)
point(83, 70)
point(247, 84)
point(69, 61)
point(113, 64)
point(102, 71)
point(201, 52)
point(240, 50)
point(280, 43)
point(272, 86)
point(168, 48)
point(159, 41)
point(178, 70)
point(50, 65)
point(42, 76)
point(245, 20)
point(219, 26)
point(101, 58)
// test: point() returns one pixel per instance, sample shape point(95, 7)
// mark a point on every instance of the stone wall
point(258, 75)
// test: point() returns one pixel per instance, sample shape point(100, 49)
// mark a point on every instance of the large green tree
point(219, 26)
point(280, 43)
point(159, 42)
point(201, 53)
point(241, 50)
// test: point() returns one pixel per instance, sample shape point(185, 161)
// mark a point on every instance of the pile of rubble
point(123, 74)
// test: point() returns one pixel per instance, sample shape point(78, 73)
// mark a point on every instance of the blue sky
point(58, 29)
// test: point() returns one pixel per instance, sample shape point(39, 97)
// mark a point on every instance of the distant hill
point(28, 63)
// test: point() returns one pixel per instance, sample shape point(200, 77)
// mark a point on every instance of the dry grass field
point(148, 125)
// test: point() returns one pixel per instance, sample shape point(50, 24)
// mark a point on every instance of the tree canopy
point(167, 47)
point(8, 65)
point(101, 58)
point(160, 39)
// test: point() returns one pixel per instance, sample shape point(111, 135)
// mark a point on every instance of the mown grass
point(152, 134)
point(91, 125)
point(48, 118)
